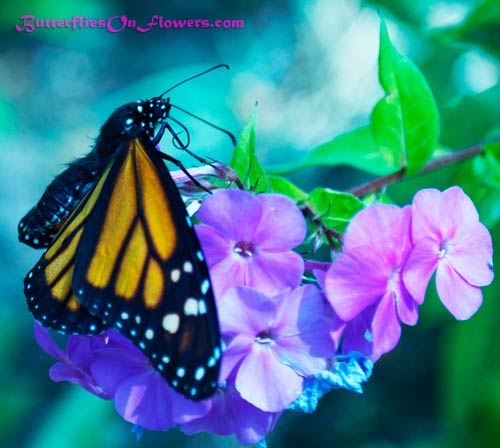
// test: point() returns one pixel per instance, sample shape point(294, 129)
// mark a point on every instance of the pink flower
point(450, 240)
point(248, 240)
point(364, 284)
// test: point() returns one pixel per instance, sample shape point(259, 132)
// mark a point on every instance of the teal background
point(312, 67)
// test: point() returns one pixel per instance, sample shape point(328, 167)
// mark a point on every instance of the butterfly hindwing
point(48, 286)
point(139, 267)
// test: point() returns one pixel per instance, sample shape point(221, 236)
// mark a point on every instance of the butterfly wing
point(48, 286)
point(140, 268)
point(41, 224)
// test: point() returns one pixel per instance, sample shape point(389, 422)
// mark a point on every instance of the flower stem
point(380, 183)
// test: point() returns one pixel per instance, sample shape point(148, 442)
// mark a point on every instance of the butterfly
point(121, 252)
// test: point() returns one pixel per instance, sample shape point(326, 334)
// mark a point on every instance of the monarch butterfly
point(122, 252)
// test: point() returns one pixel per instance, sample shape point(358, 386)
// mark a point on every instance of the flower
point(141, 394)
point(74, 363)
point(231, 414)
point(248, 240)
point(273, 343)
point(449, 240)
point(364, 284)
point(110, 366)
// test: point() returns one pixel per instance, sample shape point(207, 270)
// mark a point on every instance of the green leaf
point(405, 122)
point(284, 186)
point(334, 208)
point(487, 166)
point(355, 148)
point(244, 161)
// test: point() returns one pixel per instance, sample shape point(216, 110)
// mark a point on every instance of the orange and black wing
point(139, 267)
point(48, 286)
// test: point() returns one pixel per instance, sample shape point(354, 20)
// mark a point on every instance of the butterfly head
point(147, 114)
point(131, 120)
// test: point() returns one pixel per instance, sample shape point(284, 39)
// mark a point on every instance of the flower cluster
point(389, 256)
point(287, 342)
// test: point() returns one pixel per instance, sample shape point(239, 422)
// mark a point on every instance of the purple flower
point(231, 414)
point(364, 284)
point(74, 363)
point(110, 366)
point(273, 343)
point(141, 395)
point(248, 240)
point(450, 240)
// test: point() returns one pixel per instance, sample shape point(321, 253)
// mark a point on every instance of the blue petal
point(348, 372)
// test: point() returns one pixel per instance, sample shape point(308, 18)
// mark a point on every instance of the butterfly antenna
point(193, 77)
point(231, 136)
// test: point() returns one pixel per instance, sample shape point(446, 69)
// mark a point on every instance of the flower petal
point(381, 228)
point(46, 342)
point(112, 366)
point(420, 266)
point(146, 399)
point(265, 382)
point(226, 274)
point(303, 330)
point(355, 280)
point(358, 334)
point(245, 311)
point(427, 215)
point(233, 213)
point(461, 299)
point(471, 255)
point(271, 273)
point(406, 307)
point(282, 225)
point(234, 353)
point(231, 414)
point(337, 330)
point(386, 328)
point(216, 247)
point(461, 213)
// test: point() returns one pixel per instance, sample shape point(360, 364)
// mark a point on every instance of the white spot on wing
point(171, 322)
point(191, 307)
point(175, 275)
point(188, 267)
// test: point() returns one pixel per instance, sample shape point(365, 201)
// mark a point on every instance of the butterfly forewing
point(139, 268)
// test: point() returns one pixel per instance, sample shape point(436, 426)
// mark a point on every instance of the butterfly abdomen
point(41, 224)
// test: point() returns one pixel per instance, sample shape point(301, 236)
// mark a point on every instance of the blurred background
point(312, 65)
